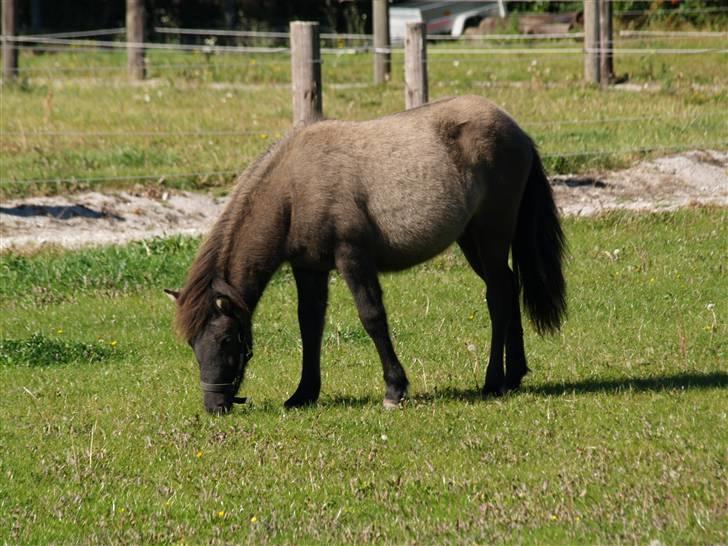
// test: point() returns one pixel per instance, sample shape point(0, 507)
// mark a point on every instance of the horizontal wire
point(80, 33)
point(279, 132)
point(671, 34)
point(146, 45)
point(498, 37)
point(119, 178)
point(255, 33)
point(677, 147)
point(642, 149)
point(135, 133)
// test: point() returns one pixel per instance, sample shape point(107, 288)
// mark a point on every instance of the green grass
point(616, 437)
point(74, 119)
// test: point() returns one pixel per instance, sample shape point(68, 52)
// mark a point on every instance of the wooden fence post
point(382, 45)
point(10, 49)
point(306, 71)
point(135, 39)
point(591, 41)
point(605, 43)
point(415, 65)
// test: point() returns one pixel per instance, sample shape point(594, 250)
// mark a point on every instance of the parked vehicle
point(441, 17)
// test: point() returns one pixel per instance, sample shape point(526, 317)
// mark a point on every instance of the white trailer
point(441, 17)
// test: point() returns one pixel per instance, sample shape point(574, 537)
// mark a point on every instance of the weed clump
point(39, 350)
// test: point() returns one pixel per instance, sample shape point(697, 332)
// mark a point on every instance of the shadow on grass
point(683, 381)
point(59, 212)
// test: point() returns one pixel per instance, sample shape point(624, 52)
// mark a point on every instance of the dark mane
point(194, 305)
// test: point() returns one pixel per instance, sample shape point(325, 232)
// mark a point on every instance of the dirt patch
point(667, 183)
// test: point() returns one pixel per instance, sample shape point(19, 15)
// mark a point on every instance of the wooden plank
point(135, 39)
point(415, 61)
point(306, 72)
point(10, 49)
point(382, 45)
point(591, 41)
point(605, 43)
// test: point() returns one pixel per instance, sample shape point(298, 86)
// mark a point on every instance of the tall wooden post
point(415, 65)
point(306, 71)
point(135, 38)
point(591, 41)
point(10, 49)
point(382, 55)
point(605, 43)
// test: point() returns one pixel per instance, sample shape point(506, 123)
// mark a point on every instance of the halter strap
point(232, 386)
point(217, 387)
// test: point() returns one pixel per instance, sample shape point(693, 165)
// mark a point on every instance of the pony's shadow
point(59, 212)
point(682, 381)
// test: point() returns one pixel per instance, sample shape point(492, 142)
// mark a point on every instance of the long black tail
point(539, 247)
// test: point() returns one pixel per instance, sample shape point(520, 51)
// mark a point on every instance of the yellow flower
point(221, 514)
point(199, 454)
point(114, 343)
point(253, 519)
point(59, 331)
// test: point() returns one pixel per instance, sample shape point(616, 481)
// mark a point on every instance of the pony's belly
point(411, 241)
point(424, 217)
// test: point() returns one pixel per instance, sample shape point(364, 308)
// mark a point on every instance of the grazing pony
point(379, 195)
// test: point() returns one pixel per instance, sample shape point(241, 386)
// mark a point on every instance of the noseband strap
point(222, 388)
point(231, 387)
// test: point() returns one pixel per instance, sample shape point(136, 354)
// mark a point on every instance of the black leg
point(313, 293)
point(498, 293)
point(361, 276)
point(516, 366)
point(490, 262)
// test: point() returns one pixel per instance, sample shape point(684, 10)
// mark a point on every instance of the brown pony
point(380, 195)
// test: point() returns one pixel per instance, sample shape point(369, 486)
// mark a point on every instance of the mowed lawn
point(618, 436)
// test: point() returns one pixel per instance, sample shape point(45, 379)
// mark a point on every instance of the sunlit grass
point(615, 436)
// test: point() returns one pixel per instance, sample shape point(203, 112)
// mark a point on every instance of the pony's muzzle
point(217, 403)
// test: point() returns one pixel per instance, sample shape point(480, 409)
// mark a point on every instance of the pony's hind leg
point(360, 275)
point(489, 259)
point(313, 292)
point(516, 366)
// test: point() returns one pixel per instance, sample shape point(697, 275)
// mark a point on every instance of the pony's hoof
point(392, 404)
point(299, 402)
point(513, 382)
point(490, 392)
point(511, 386)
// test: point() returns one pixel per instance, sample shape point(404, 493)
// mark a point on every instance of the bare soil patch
point(93, 218)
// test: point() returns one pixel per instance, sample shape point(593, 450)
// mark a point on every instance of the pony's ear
point(172, 294)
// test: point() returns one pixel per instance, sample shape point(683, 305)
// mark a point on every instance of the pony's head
point(217, 325)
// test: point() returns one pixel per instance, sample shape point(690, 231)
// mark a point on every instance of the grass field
point(75, 122)
point(618, 435)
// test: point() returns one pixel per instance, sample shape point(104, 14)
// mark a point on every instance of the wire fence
point(80, 45)
point(526, 48)
point(161, 177)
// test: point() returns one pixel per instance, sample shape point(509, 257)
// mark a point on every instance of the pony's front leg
point(313, 295)
point(360, 275)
